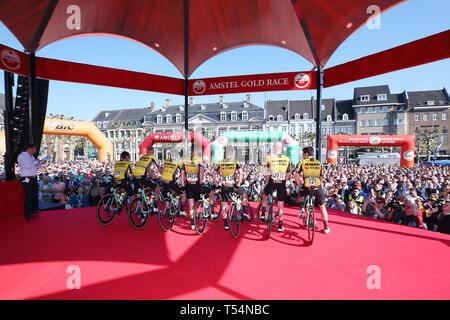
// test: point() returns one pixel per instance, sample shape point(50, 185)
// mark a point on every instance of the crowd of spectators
point(418, 196)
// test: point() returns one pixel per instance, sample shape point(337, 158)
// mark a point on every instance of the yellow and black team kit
point(312, 174)
point(170, 172)
point(122, 175)
point(228, 168)
point(191, 168)
point(279, 166)
point(141, 169)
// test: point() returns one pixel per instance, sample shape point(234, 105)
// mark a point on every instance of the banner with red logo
point(254, 83)
point(13, 61)
point(406, 142)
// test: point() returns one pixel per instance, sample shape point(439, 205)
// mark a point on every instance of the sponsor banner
point(13, 61)
point(253, 83)
point(60, 126)
point(168, 137)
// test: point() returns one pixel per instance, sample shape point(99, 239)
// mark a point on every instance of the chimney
point(247, 98)
point(221, 99)
point(191, 101)
point(152, 106)
point(168, 102)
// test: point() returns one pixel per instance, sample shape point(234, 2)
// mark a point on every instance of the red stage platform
point(119, 262)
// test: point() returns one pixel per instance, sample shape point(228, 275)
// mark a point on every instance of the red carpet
point(119, 262)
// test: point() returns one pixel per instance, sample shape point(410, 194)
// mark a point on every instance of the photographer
point(375, 208)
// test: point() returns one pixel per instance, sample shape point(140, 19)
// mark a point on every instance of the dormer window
point(381, 97)
point(246, 105)
point(159, 118)
point(244, 115)
point(345, 117)
point(297, 116)
point(224, 106)
point(169, 118)
point(328, 118)
point(279, 118)
point(181, 108)
point(178, 118)
point(270, 118)
point(305, 116)
point(202, 107)
point(233, 116)
point(223, 116)
point(364, 98)
point(430, 103)
point(107, 114)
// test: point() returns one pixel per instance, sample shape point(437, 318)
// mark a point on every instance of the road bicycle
point(142, 207)
point(204, 210)
point(236, 213)
point(110, 204)
point(169, 208)
point(269, 218)
point(310, 220)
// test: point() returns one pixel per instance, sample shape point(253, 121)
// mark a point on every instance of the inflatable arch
point(84, 129)
point(255, 136)
point(406, 143)
point(75, 128)
point(177, 138)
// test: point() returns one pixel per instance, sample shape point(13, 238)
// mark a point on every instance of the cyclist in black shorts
point(311, 170)
point(122, 174)
point(278, 171)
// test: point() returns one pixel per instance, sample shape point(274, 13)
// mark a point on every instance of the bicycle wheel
point(216, 207)
point(270, 219)
point(138, 213)
point(165, 218)
point(249, 213)
point(106, 209)
point(233, 220)
point(311, 223)
point(200, 217)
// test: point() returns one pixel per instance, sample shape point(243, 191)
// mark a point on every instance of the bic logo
point(64, 127)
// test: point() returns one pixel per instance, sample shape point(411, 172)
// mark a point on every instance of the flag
point(437, 151)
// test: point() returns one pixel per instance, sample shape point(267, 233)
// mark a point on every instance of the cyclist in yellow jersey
point(122, 173)
point(170, 172)
point(278, 172)
point(231, 174)
point(192, 172)
point(144, 172)
point(311, 170)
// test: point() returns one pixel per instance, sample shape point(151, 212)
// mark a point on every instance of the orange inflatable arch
point(406, 143)
point(83, 129)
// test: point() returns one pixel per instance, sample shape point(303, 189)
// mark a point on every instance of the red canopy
point(311, 28)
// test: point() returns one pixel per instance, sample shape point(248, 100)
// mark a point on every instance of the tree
point(426, 141)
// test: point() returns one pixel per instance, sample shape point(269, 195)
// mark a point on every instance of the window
point(363, 123)
point(430, 103)
point(279, 118)
point(324, 131)
point(270, 118)
point(378, 122)
point(369, 110)
point(362, 110)
point(425, 117)
point(364, 98)
point(169, 118)
point(328, 118)
point(377, 109)
point(400, 121)
point(297, 116)
point(159, 119)
point(178, 118)
point(310, 128)
point(382, 97)
point(345, 117)
point(223, 116)
point(292, 129)
point(244, 115)
point(370, 123)
point(417, 117)
point(444, 116)
point(330, 130)
point(444, 137)
point(435, 116)
point(301, 128)
point(384, 109)
point(305, 116)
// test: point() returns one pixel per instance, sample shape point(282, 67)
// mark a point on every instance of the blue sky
point(407, 22)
